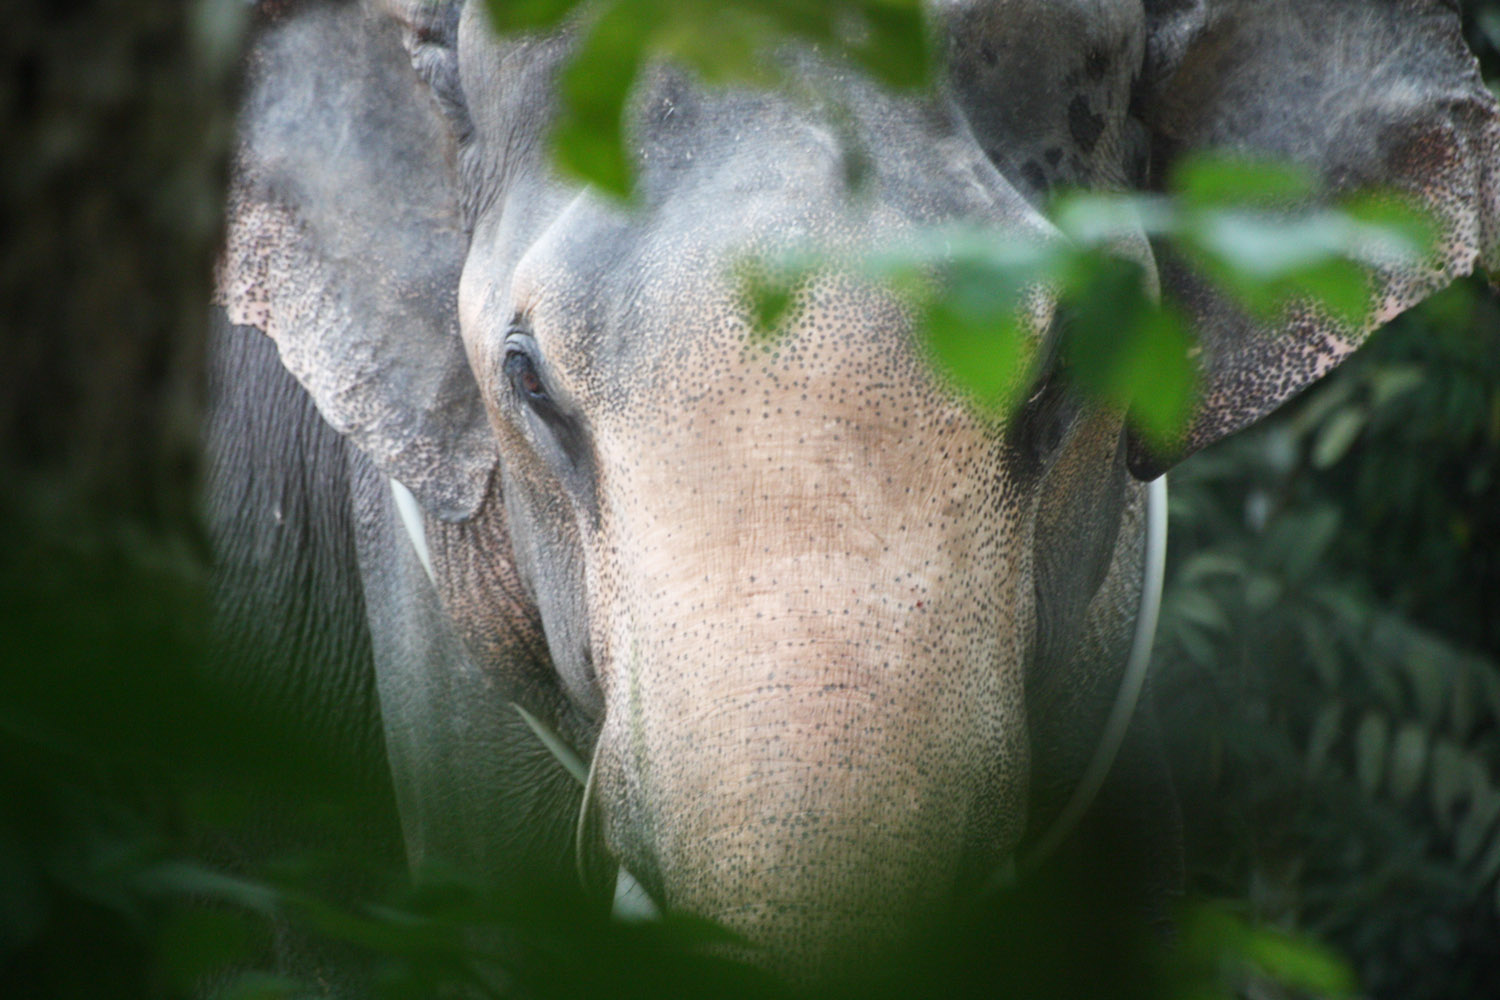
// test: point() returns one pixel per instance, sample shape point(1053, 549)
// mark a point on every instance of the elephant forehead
point(834, 439)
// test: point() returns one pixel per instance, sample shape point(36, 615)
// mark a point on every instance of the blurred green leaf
point(1214, 180)
point(530, 15)
point(1325, 732)
point(1478, 824)
point(1449, 781)
point(1337, 435)
point(196, 943)
point(1371, 740)
point(1291, 961)
point(1408, 762)
point(262, 986)
point(588, 137)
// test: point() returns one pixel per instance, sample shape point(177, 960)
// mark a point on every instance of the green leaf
point(1262, 592)
point(1215, 180)
point(1300, 540)
point(196, 943)
point(261, 986)
point(1408, 762)
point(1370, 742)
point(1213, 936)
point(588, 137)
point(1335, 286)
point(768, 291)
point(1337, 435)
point(529, 15)
point(1429, 678)
point(1325, 732)
point(1479, 821)
point(985, 358)
point(1464, 708)
point(891, 40)
point(1393, 381)
point(1203, 566)
point(1197, 607)
point(1122, 349)
point(1489, 865)
point(1448, 783)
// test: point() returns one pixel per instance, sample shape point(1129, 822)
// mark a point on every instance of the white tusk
point(411, 519)
point(632, 904)
point(1132, 681)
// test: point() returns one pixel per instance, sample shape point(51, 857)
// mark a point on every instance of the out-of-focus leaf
point(1489, 865)
point(1463, 704)
point(195, 943)
point(1408, 762)
point(1322, 652)
point(1214, 180)
point(1122, 349)
point(529, 15)
point(1336, 286)
point(588, 136)
point(1479, 820)
point(1449, 781)
point(1201, 609)
point(890, 39)
point(1214, 935)
point(1391, 382)
point(1370, 742)
point(984, 359)
point(1300, 540)
point(262, 986)
point(1325, 732)
point(769, 293)
point(1337, 435)
point(1394, 227)
point(1262, 592)
point(1429, 679)
point(1203, 566)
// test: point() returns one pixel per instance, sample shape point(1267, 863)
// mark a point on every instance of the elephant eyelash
point(521, 370)
point(564, 436)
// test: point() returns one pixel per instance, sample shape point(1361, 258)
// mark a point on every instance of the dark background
point(1327, 666)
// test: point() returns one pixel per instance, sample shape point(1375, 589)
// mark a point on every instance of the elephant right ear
point(1379, 95)
point(345, 239)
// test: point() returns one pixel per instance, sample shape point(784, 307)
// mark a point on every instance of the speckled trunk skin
point(811, 634)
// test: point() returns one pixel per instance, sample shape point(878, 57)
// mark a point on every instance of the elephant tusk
point(566, 755)
point(632, 902)
point(1132, 683)
point(411, 519)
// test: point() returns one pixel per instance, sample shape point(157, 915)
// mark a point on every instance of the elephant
point(494, 456)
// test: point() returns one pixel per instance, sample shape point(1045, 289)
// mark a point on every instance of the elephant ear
point(345, 239)
point(1365, 94)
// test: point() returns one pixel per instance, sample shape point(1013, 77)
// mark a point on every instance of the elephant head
point(829, 638)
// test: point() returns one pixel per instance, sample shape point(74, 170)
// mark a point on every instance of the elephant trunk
point(819, 805)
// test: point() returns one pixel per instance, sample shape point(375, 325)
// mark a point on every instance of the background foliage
point(1327, 663)
point(1328, 667)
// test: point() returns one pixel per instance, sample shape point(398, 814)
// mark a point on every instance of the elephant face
point(787, 579)
point(825, 631)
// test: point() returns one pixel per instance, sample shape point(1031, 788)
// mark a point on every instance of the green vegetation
point(1328, 666)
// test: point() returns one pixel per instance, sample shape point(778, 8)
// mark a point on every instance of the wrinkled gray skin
point(834, 644)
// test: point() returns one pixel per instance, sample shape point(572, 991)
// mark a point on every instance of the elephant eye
point(521, 370)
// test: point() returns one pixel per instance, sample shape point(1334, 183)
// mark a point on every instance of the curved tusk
point(410, 513)
point(1132, 682)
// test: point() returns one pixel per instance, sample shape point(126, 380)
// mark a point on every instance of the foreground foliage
point(1328, 659)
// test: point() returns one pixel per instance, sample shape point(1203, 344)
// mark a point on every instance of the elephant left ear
point(1366, 95)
